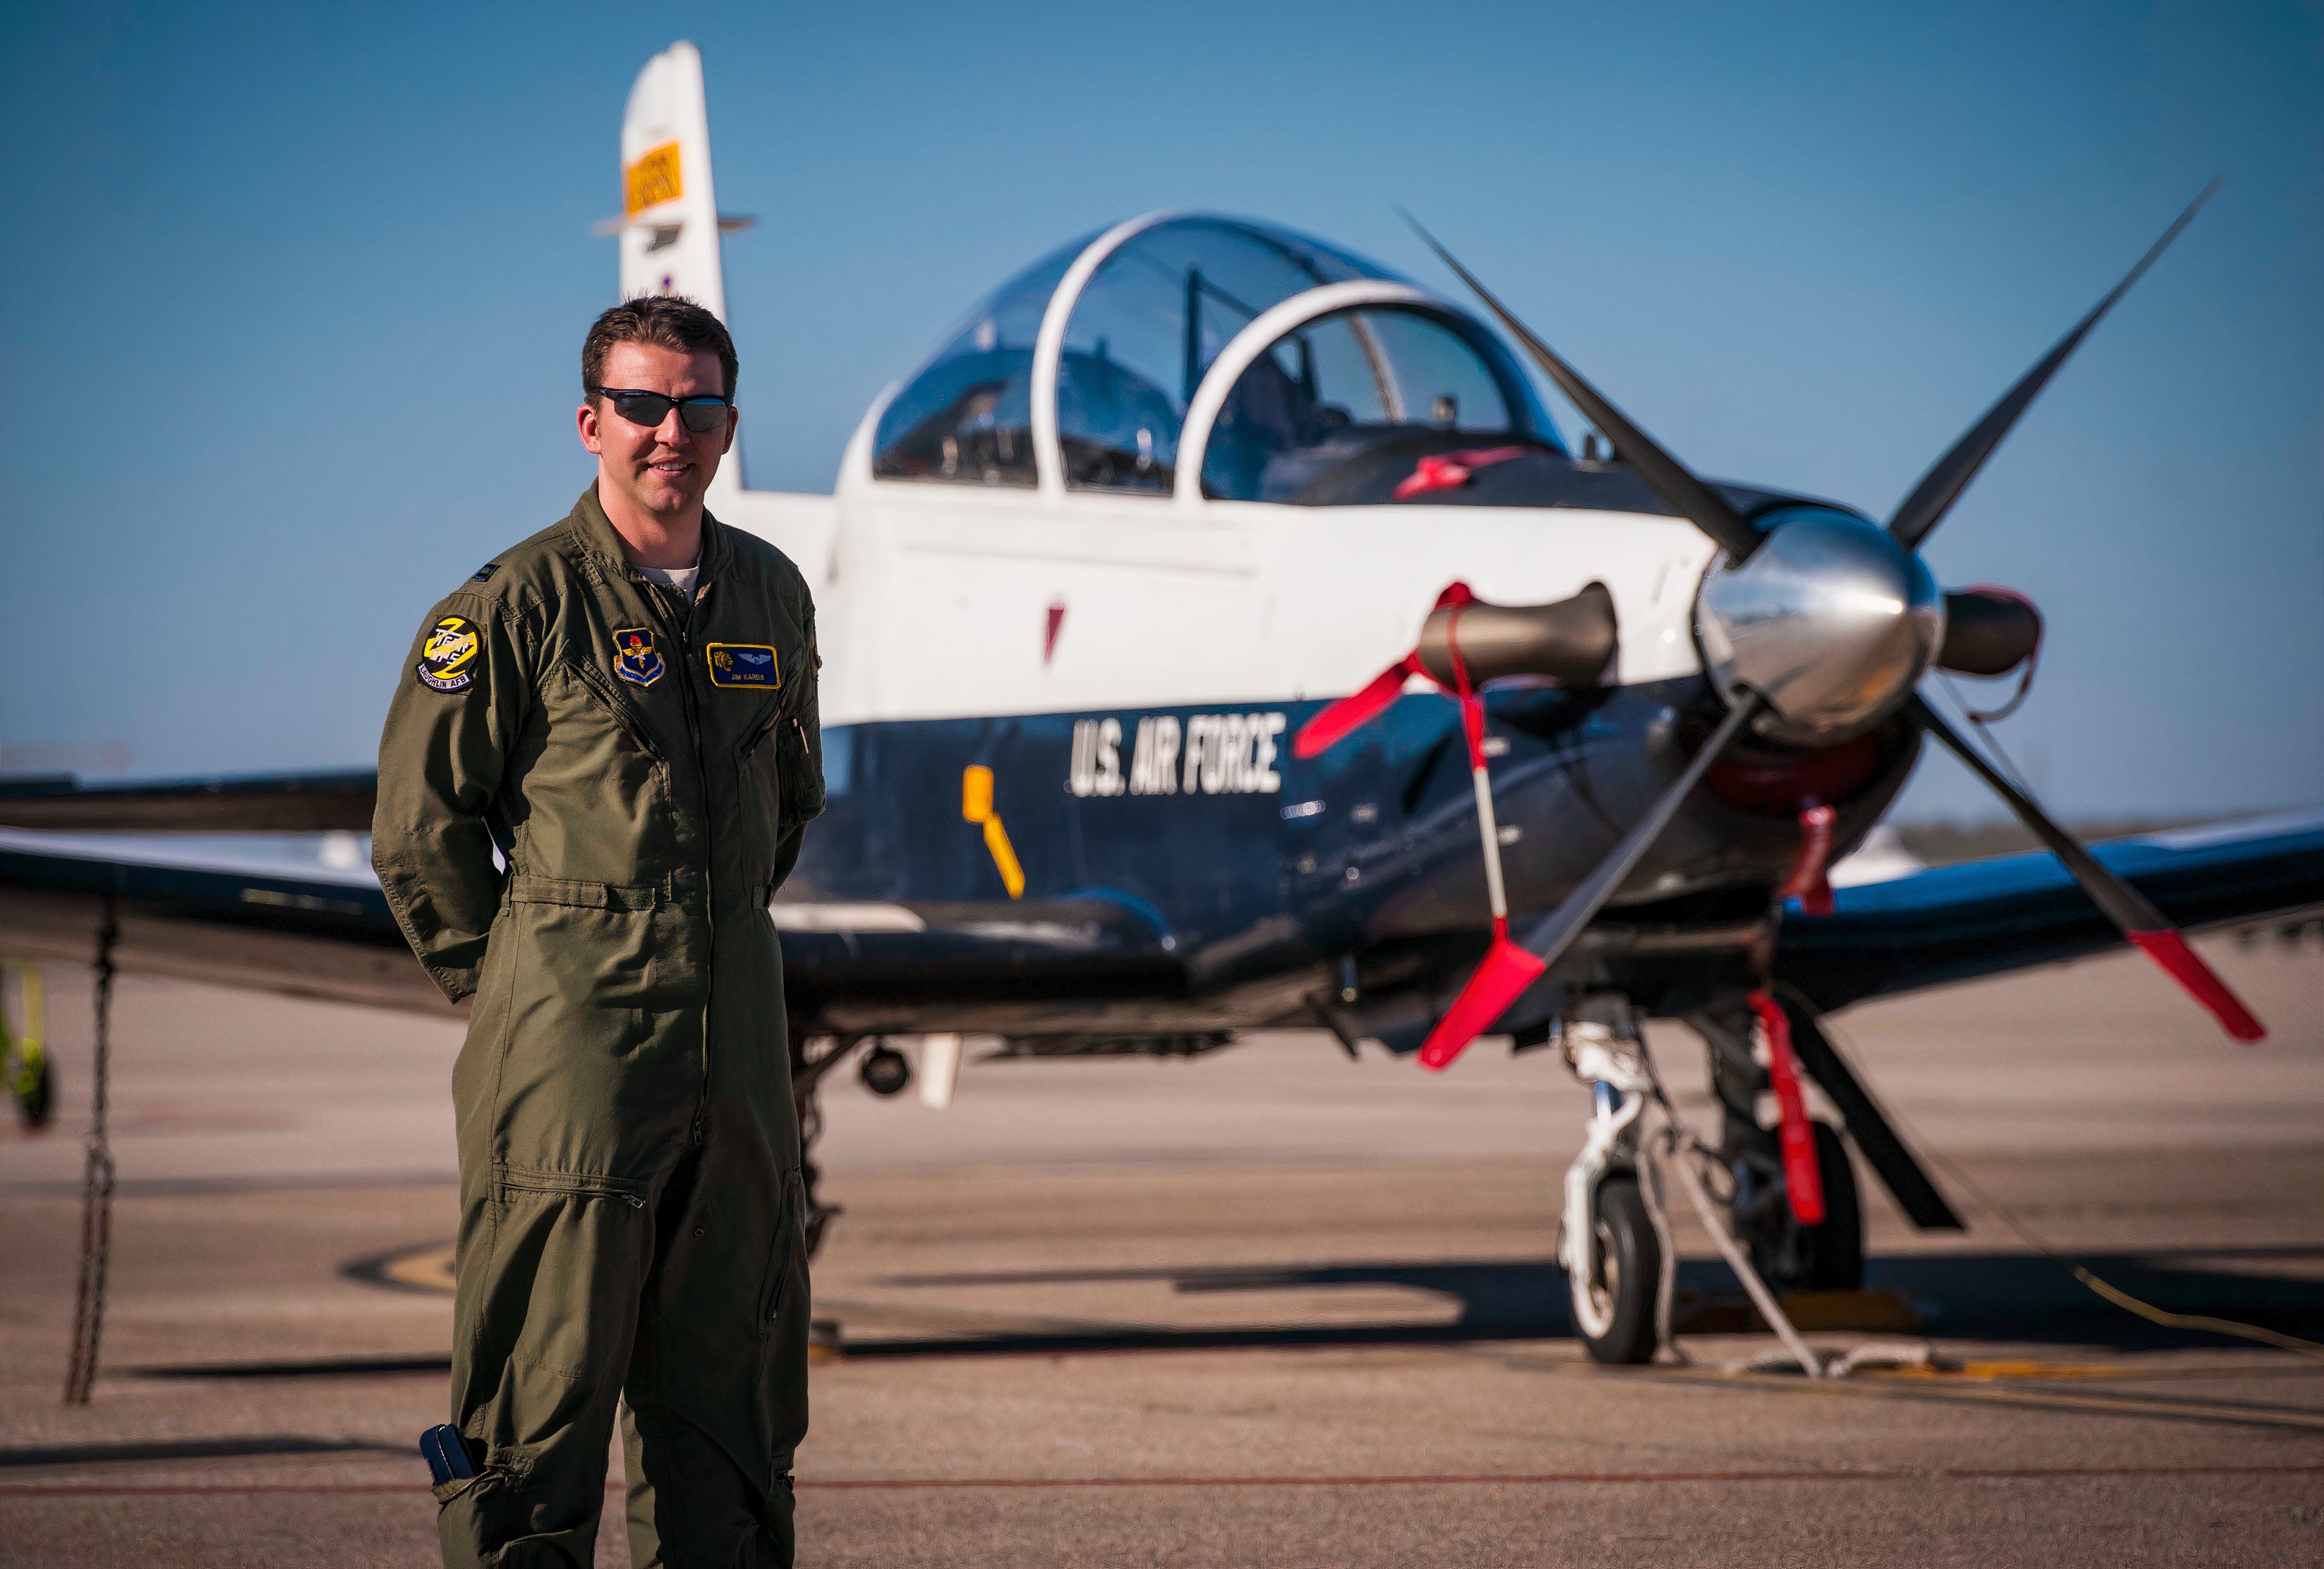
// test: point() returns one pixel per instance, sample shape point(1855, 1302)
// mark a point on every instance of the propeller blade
point(1553, 935)
point(1669, 478)
point(2123, 905)
point(1501, 978)
point(1919, 513)
point(1339, 721)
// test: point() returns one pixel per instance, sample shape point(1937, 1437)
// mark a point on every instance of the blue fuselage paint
point(1237, 868)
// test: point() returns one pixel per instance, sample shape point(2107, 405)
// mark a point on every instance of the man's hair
point(670, 320)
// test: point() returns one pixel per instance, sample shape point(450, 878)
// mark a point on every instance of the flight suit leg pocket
point(568, 1267)
point(785, 1308)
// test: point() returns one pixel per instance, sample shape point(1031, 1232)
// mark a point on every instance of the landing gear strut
point(812, 1056)
point(1789, 1256)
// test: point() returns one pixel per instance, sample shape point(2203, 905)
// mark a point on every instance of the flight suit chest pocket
point(592, 732)
point(597, 787)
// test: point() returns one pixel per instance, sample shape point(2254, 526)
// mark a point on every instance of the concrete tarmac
point(1270, 1308)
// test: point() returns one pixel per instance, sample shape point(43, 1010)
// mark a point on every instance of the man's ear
point(586, 421)
point(734, 424)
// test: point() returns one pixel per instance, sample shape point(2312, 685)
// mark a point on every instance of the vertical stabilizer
point(669, 224)
point(669, 228)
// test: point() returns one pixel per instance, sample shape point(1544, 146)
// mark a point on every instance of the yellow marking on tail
point(654, 178)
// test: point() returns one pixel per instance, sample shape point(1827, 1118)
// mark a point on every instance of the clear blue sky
point(294, 296)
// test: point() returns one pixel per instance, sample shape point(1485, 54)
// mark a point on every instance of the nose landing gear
point(1613, 1247)
point(1615, 1241)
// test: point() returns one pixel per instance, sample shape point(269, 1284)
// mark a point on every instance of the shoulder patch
point(448, 660)
point(485, 571)
point(752, 665)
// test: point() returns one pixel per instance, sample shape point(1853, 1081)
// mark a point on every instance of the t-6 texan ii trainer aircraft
point(1096, 584)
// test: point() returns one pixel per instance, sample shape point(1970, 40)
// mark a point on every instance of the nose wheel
point(1615, 1247)
point(1611, 1248)
point(1621, 1280)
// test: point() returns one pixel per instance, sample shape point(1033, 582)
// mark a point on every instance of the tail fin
point(669, 224)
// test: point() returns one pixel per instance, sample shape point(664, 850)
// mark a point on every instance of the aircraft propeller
point(1920, 512)
point(1815, 625)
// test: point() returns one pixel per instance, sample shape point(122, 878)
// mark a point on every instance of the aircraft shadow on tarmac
point(2022, 1298)
point(2017, 1297)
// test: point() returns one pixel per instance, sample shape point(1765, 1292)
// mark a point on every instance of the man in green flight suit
point(621, 711)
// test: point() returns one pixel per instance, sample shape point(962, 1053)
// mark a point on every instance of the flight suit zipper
point(681, 632)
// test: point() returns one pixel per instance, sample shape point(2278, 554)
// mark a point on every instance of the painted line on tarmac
point(2104, 1403)
point(1450, 1479)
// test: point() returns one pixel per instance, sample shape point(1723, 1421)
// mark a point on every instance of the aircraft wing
point(1952, 923)
point(244, 802)
point(270, 915)
point(218, 906)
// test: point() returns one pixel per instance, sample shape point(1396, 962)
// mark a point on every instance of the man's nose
point(672, 431)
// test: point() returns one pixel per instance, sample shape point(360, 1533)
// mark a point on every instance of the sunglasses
point(702, 414)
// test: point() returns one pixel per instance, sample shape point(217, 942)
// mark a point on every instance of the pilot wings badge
point(448, 660)
point(636, 658)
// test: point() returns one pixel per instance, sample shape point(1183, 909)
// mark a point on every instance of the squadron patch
point(637, 659)
point(485, 571)
point(743, 664)
point(448, 660)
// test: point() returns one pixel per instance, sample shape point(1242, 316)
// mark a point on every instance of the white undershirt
point(680, 578)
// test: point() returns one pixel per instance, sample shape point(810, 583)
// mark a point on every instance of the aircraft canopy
point(1087, 363)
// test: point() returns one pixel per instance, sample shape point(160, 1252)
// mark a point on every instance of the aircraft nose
point(1830, 619)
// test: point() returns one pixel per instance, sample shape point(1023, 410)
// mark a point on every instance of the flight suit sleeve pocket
point(799, 742)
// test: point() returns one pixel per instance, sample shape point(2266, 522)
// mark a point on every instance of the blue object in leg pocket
point(446, 1454)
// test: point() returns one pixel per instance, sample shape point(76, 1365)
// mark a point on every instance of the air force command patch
point(743, 664)
point(448, 660)
point(636, 658)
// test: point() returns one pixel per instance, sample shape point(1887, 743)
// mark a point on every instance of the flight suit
point(630, 1201)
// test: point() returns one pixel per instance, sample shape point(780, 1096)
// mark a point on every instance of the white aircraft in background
point(1094, 584)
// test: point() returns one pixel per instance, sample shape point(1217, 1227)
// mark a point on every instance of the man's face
point(664, 468)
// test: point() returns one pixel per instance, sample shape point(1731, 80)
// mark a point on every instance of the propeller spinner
point(1815, 625)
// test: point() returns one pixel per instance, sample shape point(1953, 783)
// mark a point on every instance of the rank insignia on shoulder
point(448, 660)
point(743, 664)
point(485, 571)
point(636, 658)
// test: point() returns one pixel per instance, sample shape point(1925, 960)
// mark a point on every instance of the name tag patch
point(448, 660)
point(635, 658)
point(743, 664)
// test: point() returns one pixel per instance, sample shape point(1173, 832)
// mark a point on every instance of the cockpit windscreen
point(1360, 381)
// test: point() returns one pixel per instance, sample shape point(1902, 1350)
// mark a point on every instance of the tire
point(1631, 1261)
point(1818, 1258)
